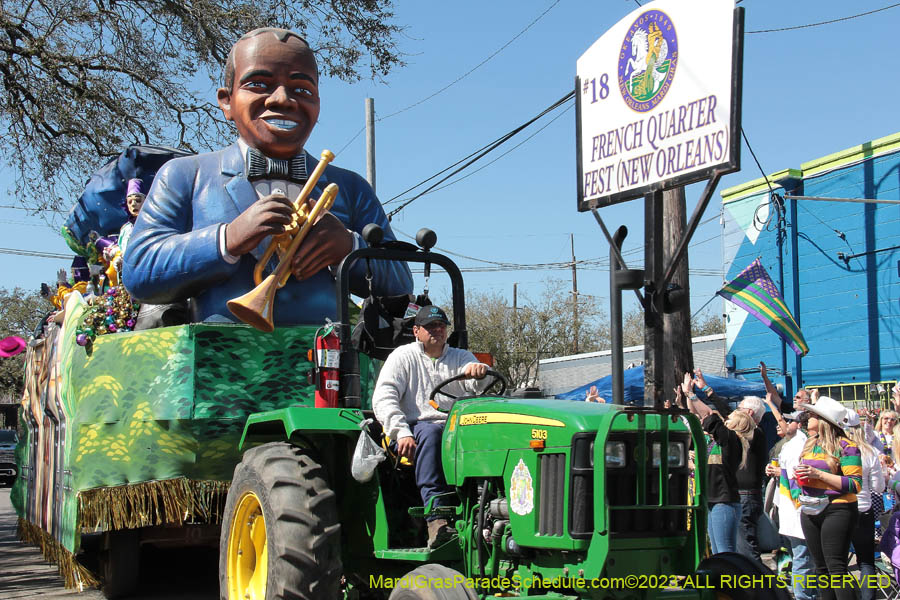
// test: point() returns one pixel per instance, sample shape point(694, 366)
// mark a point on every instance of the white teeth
point(281, 123)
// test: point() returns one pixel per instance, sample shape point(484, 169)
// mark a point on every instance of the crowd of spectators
point(830, 473)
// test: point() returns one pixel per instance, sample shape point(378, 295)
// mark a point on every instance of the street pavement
point(183, 574)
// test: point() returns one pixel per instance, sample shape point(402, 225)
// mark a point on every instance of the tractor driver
point(401, 405)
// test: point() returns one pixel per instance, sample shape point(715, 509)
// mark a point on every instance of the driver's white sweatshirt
point(407, 380)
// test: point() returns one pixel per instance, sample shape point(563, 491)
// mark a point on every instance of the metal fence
point(872, 395)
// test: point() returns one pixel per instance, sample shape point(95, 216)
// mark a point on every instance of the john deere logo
point(647, 60)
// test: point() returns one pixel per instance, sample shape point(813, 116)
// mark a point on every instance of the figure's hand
point(326, 244)
point(475, 370)
point(762, 370)
point(813, 396)
point(772, 471)
point(267, 216)
point(769, 399)
point(406, 447)
point(699, 381)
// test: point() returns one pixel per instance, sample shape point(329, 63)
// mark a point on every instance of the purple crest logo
point(647, 60)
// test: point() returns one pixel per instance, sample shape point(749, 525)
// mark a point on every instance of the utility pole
point(515, 297)
point(653, 298)
point(370, 141)
point(574, 296)
point(678, 357)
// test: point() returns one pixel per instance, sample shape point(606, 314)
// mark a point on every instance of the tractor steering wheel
point(497, 378)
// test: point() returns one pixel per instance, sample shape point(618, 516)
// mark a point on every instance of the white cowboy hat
point(831, 410)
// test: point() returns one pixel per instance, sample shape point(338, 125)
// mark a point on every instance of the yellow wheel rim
point(247, 559)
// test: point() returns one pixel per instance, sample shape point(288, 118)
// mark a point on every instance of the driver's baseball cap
point(431, 314)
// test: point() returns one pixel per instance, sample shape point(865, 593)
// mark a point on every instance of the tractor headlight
point(616, 455)
point(676, 454)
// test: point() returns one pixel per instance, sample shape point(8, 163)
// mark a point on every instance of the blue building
point(828, 233)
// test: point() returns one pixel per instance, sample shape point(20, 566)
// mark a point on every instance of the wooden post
point(678, 356)
point(653, 322)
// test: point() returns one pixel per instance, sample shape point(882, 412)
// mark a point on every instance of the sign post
point(658, 106)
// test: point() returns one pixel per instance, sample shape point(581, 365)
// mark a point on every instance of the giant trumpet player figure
point(208, 219)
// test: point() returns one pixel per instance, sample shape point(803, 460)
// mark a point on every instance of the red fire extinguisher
point(327, 360)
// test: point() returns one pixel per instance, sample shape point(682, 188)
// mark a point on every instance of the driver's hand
point(475, 370)
point(406, 447)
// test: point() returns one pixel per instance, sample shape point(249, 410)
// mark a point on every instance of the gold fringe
point(167, 502)
point(73, 573)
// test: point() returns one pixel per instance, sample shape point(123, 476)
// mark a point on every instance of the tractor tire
point(733, 564)
point(280, 530)
point(441, 590)
point(120, 563)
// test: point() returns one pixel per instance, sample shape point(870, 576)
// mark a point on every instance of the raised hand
point(687, 385)
point(699, 381)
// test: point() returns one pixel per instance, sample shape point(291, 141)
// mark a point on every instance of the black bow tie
point(260, 166)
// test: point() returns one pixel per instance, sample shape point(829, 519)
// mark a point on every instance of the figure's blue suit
point(173, 252)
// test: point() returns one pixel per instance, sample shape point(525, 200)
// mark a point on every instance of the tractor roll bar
point(392, 250)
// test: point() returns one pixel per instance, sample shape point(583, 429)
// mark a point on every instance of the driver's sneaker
point(439, 532)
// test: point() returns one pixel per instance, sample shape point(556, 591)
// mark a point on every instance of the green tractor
point(554, 499)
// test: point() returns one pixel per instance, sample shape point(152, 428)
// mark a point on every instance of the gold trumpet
point(256, 307)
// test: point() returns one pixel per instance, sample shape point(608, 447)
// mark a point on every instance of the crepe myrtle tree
point(80, 81)
point(539, 327)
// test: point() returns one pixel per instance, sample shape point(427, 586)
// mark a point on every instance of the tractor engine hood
point(481, 432)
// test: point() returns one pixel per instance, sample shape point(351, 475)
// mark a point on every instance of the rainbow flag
point(754, 291)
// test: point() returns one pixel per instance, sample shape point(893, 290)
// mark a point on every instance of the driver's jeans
point(429, 471)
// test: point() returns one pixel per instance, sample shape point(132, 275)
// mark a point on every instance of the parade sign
point(658, 101)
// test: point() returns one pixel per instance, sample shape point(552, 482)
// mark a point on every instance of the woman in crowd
point(872, 488)
point(728, 443)
point(830, 477)
point(884, 429)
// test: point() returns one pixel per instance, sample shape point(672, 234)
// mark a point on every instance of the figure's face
point(134, 203)
point(274, 99)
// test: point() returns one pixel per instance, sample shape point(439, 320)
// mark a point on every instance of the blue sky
point(807, 93)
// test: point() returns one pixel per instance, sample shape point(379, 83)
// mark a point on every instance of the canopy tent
point(634, 387)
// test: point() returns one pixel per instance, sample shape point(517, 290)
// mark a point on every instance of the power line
point(34, 253)
point(457, 80)
point(34, 210)
point(838, 20)
point(483, 153)
point(481, 168)
point(473, 69)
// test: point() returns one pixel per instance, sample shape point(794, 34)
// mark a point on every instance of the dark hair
point(281, 34)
